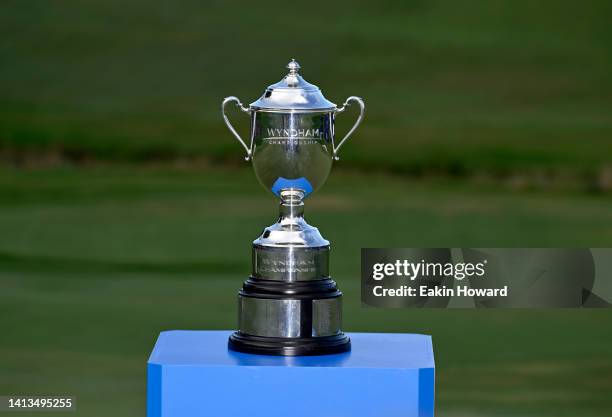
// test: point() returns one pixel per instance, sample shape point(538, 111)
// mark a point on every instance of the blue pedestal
point(193, 374)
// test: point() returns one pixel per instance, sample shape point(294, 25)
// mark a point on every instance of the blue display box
point(193, 374)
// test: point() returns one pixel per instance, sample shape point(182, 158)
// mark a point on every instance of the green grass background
point(126, 208)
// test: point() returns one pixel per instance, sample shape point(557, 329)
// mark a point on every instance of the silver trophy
point(290, 306)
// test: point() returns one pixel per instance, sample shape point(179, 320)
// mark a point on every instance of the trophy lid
point(293, 93)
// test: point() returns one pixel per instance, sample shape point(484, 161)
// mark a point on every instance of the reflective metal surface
point(292, 93)
point(270, 318)
point(347, 103)
point(292, 150)
point(226, 101)
point(290, 264)
point(291, 229)
point(326, 316)
point(282, 318)
point(304, 142)
point(290, 295)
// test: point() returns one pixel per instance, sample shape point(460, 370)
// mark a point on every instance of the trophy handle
point(359, 119)
point(226, 101)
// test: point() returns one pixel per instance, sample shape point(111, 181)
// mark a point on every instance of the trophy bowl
point(292, 150)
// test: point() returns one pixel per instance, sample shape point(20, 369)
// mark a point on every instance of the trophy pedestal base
point(289, 347)
point(193, 373)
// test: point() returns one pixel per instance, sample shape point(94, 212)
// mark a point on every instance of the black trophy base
point(308, 346)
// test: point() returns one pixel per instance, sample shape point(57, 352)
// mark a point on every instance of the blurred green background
point(126, 207)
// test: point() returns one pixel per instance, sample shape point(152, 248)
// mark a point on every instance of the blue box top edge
point(208, 348)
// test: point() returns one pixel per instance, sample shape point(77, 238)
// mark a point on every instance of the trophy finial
point(293, 67)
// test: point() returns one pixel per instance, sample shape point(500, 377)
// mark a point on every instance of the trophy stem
point(291, 206)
